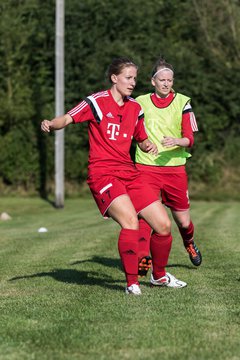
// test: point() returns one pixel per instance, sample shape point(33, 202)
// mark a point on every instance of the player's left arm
point(189, 124)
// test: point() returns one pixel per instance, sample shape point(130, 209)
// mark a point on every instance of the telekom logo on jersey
point(113, 130)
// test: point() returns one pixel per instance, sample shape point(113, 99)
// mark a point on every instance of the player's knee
point(184, 223)
point(164, 228)
point(130, 222)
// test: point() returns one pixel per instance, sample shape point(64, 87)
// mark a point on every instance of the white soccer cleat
point(133, 289)
point(168, 280)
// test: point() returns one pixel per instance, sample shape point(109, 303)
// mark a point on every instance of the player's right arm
point(57, 123)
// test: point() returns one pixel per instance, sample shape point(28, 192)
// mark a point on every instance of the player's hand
point(151, 148)
point(46, 126)
point(168, 141)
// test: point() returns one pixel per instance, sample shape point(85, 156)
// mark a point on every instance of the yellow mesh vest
point(161, 122)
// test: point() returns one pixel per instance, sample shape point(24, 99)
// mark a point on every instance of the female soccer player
point(170, 123)
point(114, 118)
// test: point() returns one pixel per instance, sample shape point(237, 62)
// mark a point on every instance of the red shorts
point(107, 187)
point(171, 184)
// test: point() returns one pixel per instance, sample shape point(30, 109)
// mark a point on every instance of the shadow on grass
point(70, 276)
point(109, 262)
point(116, 263)
point(90, 278)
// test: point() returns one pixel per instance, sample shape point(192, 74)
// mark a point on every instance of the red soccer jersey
point(111, 128)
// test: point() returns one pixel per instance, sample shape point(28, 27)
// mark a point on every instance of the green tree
point(26, 51)
point(200, 39)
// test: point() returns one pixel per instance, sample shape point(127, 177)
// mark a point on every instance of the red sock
point(187, 234)
point(128, 250)
point(144, 239)
point(160, 246)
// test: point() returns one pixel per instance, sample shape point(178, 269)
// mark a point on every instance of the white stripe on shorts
point(105, 188)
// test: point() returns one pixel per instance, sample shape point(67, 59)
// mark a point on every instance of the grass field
point(62, 292)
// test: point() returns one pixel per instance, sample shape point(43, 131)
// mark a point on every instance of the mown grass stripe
point(62, 292)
